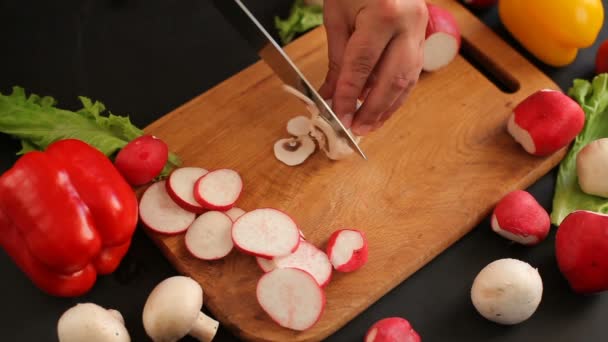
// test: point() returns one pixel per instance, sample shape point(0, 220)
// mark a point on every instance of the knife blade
point(275, 57)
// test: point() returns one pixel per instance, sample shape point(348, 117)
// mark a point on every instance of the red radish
point(234, 213)
point(219, 189)
point(209, 237)
point(581, 249)
point(442, 41)
point(392, 329)
point(266, 233)
point(520, 218)
point(291, 297)
point(480, 3)
point(546, 121)
point(180, 186)
point(347, 250)
point(160, 213)
point(307, 258)
point(142, 159)
point(601, 58)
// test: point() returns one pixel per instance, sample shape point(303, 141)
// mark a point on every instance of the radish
point(142, 159)
point(219, 189)
point(266, 233)
point(581, 249)
point(480, 3)
point(546, 121)
point(592, 168)
point(291, 297)
point(442, 41)
point(234, 213)
point(347, 250)
point(601, 58)
point(520, 218)
point(160, 213)
point(180, 186)
point(307, 258)
point(392, 329)
point(209, 238)
point(507, 291)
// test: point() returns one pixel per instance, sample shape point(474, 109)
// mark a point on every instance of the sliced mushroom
point(92, 323)
point(298, 126)
point(294, 151)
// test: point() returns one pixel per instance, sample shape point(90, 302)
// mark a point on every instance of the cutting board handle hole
point(491, 70)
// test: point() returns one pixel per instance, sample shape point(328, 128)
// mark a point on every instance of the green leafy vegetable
point(568, 197)
point(38, 123)
point(301, 19)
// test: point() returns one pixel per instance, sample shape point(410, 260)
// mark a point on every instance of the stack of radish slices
point(201, 203)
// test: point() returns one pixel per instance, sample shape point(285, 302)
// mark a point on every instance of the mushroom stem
point(204, 328)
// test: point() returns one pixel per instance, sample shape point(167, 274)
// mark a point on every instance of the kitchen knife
point(267, 48)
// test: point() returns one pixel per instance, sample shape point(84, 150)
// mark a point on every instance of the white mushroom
point(592, 168)
point(298, 126)
point(173, 310)
point(507, 291)
point(92, 323)
point(294, 151)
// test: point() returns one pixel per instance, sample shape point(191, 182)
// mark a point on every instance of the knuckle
point(400, 83)
point(391, 11)
point(333, 66)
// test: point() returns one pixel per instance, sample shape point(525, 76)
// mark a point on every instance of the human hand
point(375, 54)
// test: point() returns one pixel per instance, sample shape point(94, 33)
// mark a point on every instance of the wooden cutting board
point(435, 170)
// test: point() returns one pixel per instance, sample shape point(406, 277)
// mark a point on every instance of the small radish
point(601, 58)
point(291, 297)
point(520, 218)
point(307, 258)
point(581, 249)
point(592, 168)
point(209, 238)
point(142, 159)
point(442, 41)
point(266, 233)
point(234, 213)
point(180, 186)
point(160, 213)
point(219, 189)
point(480, 3)
point(392, 329)
point(347, 250)
point(546, 121)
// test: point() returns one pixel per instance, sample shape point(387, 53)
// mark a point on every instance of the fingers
point(337, 33)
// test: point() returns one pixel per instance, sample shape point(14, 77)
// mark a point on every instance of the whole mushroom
point(173, 310)
point(92, 323)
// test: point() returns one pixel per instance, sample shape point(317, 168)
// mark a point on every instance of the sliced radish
point(180, 187)
point(299, 125)
point(442, 41)
point(291, 297)
point(160, 213)
point(307, 257)
point(266, 233)
point(234, 213)
point(219, 189)
point(209, 237)
point(347, 250)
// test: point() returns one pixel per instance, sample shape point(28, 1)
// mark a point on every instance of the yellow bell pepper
point(553, 30)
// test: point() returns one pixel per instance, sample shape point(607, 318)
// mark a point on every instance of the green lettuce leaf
point(301, 19)
point(568, 197)
point(38, 123)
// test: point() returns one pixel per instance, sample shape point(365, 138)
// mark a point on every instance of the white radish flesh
point(219, 189)
point(266, 232)
point(291, 297)
point(234, 213)
point(180, 186)
point(209, 236)
point(442, 41)
point(347, 250)
point(307, 257)
point(299, 125)
point(160, 213)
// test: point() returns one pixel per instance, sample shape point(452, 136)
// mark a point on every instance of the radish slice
point(347, 250)
point(219, 189)
point(291, 297)
point(180, 187)
point(266, 233)
point(307, 258)
point(299, 125)
point(234, 213)
point(160, 213)
point(208, 237)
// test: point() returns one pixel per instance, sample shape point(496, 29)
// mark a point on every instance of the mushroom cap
point(294, 151)
point(172, 308)
point(92, 323)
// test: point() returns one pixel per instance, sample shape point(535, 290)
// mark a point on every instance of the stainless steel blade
point(275, 57)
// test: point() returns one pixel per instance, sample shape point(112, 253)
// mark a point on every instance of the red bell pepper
point(66, 215)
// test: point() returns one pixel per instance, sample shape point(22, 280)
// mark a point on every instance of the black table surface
point(145, 58)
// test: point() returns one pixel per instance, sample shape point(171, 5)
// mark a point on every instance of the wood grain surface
point(435, 170)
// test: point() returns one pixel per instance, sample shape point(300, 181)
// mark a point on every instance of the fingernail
point(347, 120)
point(363, 129)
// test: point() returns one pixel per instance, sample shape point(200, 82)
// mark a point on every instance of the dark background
point(145, 58)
